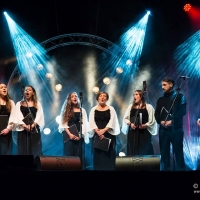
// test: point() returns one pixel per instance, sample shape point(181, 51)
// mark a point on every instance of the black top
point(75, 120)
point(133, 114)
point(25, 112)
point(177, 113)
point(102, 118)
point(4, 111)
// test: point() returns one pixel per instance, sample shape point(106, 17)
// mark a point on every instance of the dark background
point(168, 24)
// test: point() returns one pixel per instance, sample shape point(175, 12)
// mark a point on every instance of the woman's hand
point(33, 126)
point(5, 131)
point(73, 137)
point(27, 127)
point(142, 126)
point(100, 132)
point(133, 126)
point(101, 137)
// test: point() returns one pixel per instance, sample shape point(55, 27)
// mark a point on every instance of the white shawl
point(62, 126)
point(39, 119)
point(113, 123)
point(151, 124)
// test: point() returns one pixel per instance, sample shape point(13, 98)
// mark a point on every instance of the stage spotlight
point(148, 12)
point(129, 63)
point(5, 13)
point(95, 90)
point(119, 70)
point(58, 118)
point(40, 66)
point(106, 80)
point(47, 131)
point(58, 87)
point(187, 7)
point(49, 75)
point(29, 54)
point(121, 154)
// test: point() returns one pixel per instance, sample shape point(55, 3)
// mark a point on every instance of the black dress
point(29, 143)
point(139, 141)
point(72, 147)
point(5, 140)
point(104, 160)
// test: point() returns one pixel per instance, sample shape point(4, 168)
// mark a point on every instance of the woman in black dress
point(7, 108)
point(70, 115)
point(139, 122)
point(29, 134)
point(104, 123)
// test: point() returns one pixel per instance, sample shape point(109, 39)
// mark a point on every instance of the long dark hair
point(33, 98)
point(67, 111)
point(142, 100)
point(7, 99)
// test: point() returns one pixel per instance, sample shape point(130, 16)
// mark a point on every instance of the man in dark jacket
point(169, 113)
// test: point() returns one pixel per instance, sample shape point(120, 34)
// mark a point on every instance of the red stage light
point(187, 7)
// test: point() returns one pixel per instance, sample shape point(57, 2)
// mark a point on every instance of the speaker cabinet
point(17, 162)
point(138, 163)
point(58, 163)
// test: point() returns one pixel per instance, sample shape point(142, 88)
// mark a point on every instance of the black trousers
point(174, 137)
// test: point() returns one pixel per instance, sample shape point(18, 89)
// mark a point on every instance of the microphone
point(22, 90)
point(144, 86)
point(184, 77)
point(81, 95)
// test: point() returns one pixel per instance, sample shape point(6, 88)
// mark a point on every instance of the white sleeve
point(151, 124)
point(61, 127)
point(18, 114)
point(39, 119)
point(85, 126)
point(19, 117)
point(91, 124)
point(126, 119)
point(85, 134)
point(113, 123)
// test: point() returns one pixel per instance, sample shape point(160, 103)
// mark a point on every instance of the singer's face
point(3, 90)
point(74, 98)
point(136, 97)
point(102, 99)
point(28, 92)
point(167, 87)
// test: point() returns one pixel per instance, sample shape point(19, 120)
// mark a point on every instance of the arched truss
point(76, 39)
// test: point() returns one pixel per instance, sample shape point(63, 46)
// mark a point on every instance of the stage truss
point(74, 39)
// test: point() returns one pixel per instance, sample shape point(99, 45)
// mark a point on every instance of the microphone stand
point(169, 114)
point(82, 152)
